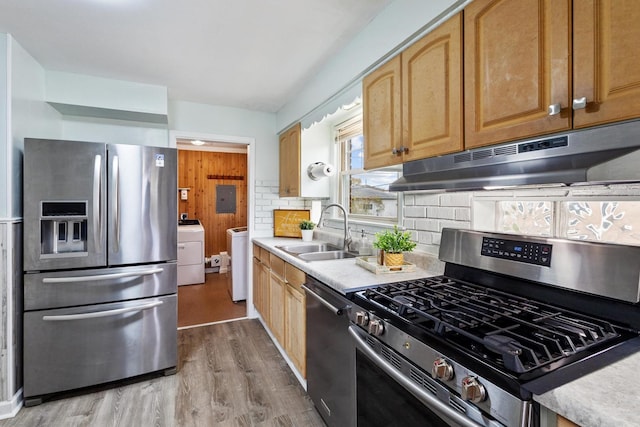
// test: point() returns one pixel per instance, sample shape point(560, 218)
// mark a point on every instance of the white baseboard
point(9, 408)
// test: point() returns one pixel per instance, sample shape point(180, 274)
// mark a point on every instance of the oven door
point(389, 394)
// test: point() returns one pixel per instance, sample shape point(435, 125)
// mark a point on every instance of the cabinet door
point(257, 288)
point(295, 336)
point(432, 92)
point(290, 162)
point(277, 288)
point(606, 68)
point(264, 304)
point(516, 64)
point(381, 116)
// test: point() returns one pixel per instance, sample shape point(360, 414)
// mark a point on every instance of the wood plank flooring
point(207, 303)
point(229, 374)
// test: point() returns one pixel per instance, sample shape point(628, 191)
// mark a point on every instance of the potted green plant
point(394, 243)
point(306, 228)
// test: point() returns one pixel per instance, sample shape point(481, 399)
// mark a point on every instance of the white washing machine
point(237, 276)
point(190, 252)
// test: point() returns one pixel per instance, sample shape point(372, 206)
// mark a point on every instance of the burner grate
point(519, 333)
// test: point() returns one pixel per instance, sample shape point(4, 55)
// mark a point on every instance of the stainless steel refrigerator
point(100, 251)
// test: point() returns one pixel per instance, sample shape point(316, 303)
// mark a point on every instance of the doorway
point(214, 172)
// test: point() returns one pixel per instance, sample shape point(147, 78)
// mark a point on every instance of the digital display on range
point(532, 253)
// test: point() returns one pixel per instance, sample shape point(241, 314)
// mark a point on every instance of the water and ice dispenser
point(63, 229)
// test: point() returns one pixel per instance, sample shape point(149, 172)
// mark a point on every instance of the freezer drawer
point(96, 286)
point(70, 348)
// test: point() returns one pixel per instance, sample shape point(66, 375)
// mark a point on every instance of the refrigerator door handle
point(102, 276)
point(105, 313)
point(116, 203)
point(97, 206)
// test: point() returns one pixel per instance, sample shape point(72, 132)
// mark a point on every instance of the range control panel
point(532, 253)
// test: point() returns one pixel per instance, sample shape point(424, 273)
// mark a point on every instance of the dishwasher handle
point(337, 311)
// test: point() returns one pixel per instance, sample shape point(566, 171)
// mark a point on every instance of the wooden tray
point(371, 264)
point(286, 222)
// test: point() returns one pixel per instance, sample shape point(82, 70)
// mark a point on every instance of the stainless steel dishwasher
point(330, 355)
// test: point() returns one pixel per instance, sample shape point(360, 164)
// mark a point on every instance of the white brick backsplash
point(425, 238)
point(427, 224)
point(409, 223)
point(455, 224)
point(415, 211)
point(463, 214)
point(443, 213)
point(409, 200)
point(426, 199)
point(455, 199)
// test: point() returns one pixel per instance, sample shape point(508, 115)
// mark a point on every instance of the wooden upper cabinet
point(412, 105)
point(290, 161)
point(516, 65)
point(432, 119)
point(606, 67)
point(381, 115)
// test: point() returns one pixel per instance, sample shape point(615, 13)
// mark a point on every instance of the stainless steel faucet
point(347, 233)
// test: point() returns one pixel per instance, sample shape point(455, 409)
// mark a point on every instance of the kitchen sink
point(308, 248)
point(325, 256)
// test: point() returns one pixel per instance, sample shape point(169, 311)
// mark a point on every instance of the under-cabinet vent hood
point(606, 154)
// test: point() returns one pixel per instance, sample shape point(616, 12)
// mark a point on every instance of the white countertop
point(343, 275)
point(605, 398)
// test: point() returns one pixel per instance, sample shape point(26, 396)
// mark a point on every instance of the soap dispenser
point(365, 245)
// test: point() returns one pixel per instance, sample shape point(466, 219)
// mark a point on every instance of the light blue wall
point(234, 122)
point(30, 115)
point(114, 131)
point(400, 22)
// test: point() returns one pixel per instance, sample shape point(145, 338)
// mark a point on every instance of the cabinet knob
point(579, 103)
point(395, 151)
point(554, 109)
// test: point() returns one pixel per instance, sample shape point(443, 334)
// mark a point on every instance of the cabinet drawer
point(69, 348)
point(294, 276)
point(190, 253)
point(277, 266)
point(256, 251)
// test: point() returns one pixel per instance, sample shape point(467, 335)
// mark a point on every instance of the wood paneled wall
point(201, 172)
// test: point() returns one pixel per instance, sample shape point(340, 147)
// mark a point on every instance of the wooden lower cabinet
point(295, 338)
point(563, 422)
point(280, 300)
point(277, 310)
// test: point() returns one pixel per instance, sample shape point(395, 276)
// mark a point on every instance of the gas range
point(510, 317)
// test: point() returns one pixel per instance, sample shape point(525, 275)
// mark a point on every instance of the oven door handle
point(414, 389)
point(337, 311)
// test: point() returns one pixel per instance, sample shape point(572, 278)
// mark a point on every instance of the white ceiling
point(253, 54)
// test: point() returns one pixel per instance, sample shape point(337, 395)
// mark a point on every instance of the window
point(365, 193)
point(612, 221)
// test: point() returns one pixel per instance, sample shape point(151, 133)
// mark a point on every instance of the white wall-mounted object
point(318, 170)
point(316, 145)
point(184, 193)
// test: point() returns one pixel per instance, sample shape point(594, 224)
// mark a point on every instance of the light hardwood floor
point(208, 302)
point(229, 374)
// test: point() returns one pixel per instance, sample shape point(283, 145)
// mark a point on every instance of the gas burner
point(523, 334)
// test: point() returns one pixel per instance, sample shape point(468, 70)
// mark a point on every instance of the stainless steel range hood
point(606, 154)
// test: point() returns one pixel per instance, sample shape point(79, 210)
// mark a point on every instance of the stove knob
point(472, 390)
point(376, 327)
point(441, 369)
point(362, 318)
